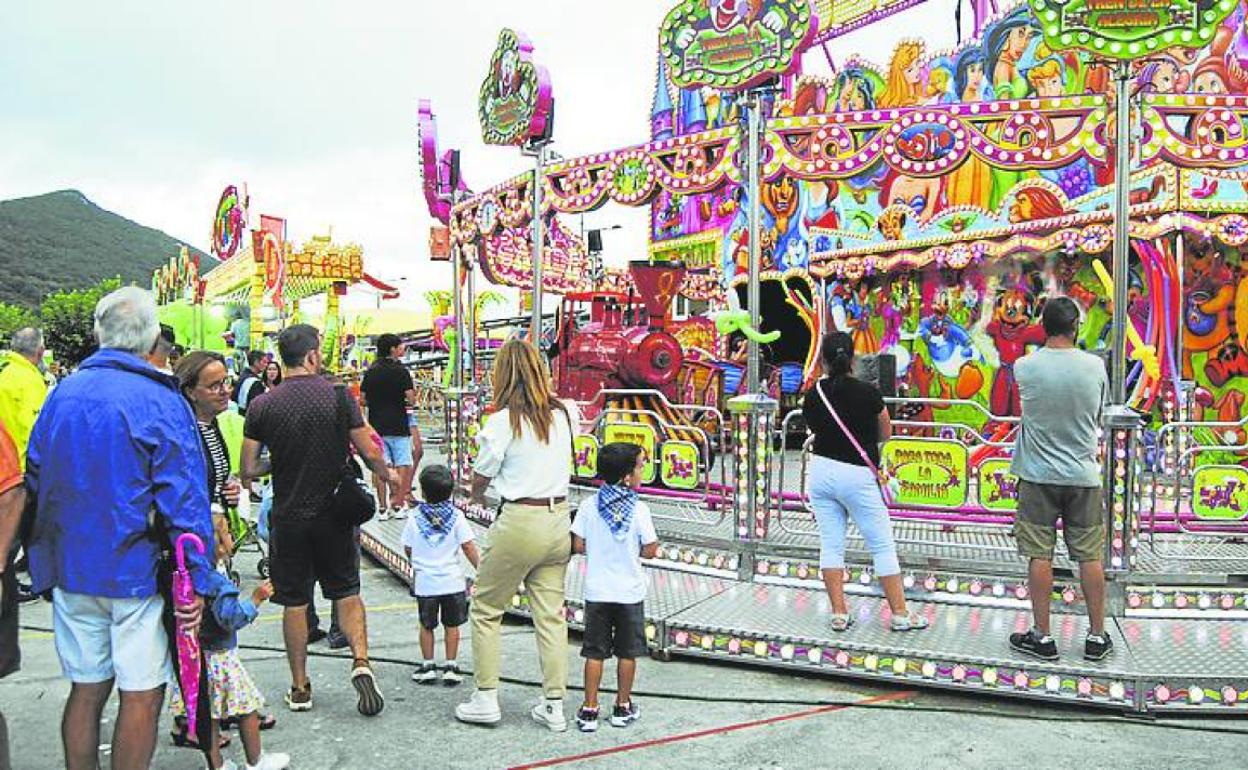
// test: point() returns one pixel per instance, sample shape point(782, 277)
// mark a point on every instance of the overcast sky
point(151, 108)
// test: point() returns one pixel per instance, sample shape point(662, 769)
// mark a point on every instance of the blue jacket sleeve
point(231, 612)
point(180, 492)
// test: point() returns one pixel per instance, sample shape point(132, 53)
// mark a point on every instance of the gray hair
point(126, 320)
point(27, 342)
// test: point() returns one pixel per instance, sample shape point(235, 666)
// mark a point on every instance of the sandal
point(909, 622)
point(267, 722)
point(841, 622)
point(183, 740)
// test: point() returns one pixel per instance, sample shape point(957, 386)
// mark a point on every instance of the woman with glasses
point(203, 381)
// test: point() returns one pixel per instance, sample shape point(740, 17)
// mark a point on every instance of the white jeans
point(98, 638)
point(839, 491)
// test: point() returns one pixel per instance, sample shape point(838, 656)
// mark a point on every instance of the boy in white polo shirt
point(432, 538)
point(614, 531)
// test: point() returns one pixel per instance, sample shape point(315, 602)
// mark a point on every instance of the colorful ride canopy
point(935, 203)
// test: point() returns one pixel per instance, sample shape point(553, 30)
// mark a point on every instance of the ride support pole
point(1122, 235)
point(457, 308)
point(538, 150)
point(753, 132)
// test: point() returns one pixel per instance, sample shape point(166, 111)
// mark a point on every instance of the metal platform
point(697, 609)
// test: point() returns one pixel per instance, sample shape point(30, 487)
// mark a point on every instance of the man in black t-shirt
point(300, 424)
point(387, 391)
point(251, 384)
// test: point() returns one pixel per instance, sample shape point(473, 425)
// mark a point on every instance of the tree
point(68, 319)
point(12, 318)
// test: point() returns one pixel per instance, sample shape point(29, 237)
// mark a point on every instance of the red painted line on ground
point(730, 728)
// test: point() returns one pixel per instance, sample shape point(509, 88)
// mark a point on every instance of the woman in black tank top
point(848, 420)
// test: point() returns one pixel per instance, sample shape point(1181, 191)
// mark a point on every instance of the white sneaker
point(427, 673)
point(480, 709)
point(274, 761)
point(451, 676)
point(383, 515)
point(550, 713)
point(399, 513)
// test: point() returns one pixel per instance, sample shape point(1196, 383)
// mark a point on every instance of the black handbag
point(352, 503)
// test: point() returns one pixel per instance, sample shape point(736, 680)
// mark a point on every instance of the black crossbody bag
point(352, 503)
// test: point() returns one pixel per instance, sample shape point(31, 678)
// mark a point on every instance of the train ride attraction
point(929, 205)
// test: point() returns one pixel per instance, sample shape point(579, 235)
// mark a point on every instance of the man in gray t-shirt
point(1063, 392)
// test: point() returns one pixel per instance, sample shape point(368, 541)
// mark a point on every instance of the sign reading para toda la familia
point(733, 44)
point(1129, 29)
point(515, 98)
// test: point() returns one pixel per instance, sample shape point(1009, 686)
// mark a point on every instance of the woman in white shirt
point(525, 451)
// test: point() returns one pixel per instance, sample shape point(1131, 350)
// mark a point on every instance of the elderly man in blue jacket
point(115, 459)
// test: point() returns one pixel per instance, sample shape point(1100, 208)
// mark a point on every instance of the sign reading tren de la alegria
point(734, 44)
point(515, 97)
point(1129, 29)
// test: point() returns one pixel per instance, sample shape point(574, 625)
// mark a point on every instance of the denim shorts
point(397, 450)
point(98, 638)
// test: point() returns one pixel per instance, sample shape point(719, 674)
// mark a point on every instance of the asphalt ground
point(694, 714)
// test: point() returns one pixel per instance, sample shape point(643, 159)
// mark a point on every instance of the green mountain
point(62, 240)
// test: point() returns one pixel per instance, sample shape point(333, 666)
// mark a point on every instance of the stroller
point(249, 535)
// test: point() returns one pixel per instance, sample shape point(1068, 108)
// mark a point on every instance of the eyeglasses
point(220, 386)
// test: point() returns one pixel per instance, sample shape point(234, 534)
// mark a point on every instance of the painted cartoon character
point(952, 351)
point(860, 310)
point(1209, 294)
point(1035, 203)
point(727, 14)
point(921, 194)
point(1231, 361)
point(507, 74)
point(1012, 330)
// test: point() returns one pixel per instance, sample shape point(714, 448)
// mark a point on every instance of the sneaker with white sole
point(370, 701)
point(451, 676)
point(399, 513)
point(550, 713)
point(299, 698)
point(480, 709)
point(274, 761)
point(587, 719)
point(427, 673)
point(624, 715)
point(383, 515)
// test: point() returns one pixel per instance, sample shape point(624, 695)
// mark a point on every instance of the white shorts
point(98, 638)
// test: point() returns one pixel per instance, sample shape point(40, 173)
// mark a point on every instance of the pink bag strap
point(845, 429)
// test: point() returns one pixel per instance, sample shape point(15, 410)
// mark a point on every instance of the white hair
point(27, 342)
point(126, 320)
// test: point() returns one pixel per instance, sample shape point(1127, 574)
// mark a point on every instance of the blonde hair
point(898, 92)
point(1047, 69)
point(522, 386)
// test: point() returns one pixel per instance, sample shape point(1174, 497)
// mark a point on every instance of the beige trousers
point(527, 543)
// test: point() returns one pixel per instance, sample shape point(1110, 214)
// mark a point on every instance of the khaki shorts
point(1080, 510)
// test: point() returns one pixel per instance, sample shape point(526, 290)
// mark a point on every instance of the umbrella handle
point(179, 548)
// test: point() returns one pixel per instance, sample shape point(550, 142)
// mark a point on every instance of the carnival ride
point(269, 273)
point(929, 208)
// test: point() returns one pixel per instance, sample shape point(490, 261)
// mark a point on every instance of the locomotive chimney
point(658, 284)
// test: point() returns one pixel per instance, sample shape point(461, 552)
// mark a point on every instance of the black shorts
point(452, 608)
point(307, 551)
point(614, 629)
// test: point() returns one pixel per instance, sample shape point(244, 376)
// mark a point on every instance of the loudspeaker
point(595, 241)
point(880, 370)
point(454, 170)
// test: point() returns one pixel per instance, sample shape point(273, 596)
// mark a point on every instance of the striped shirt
point(218, 460)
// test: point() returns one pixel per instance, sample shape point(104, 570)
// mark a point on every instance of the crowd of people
point(184, 448)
